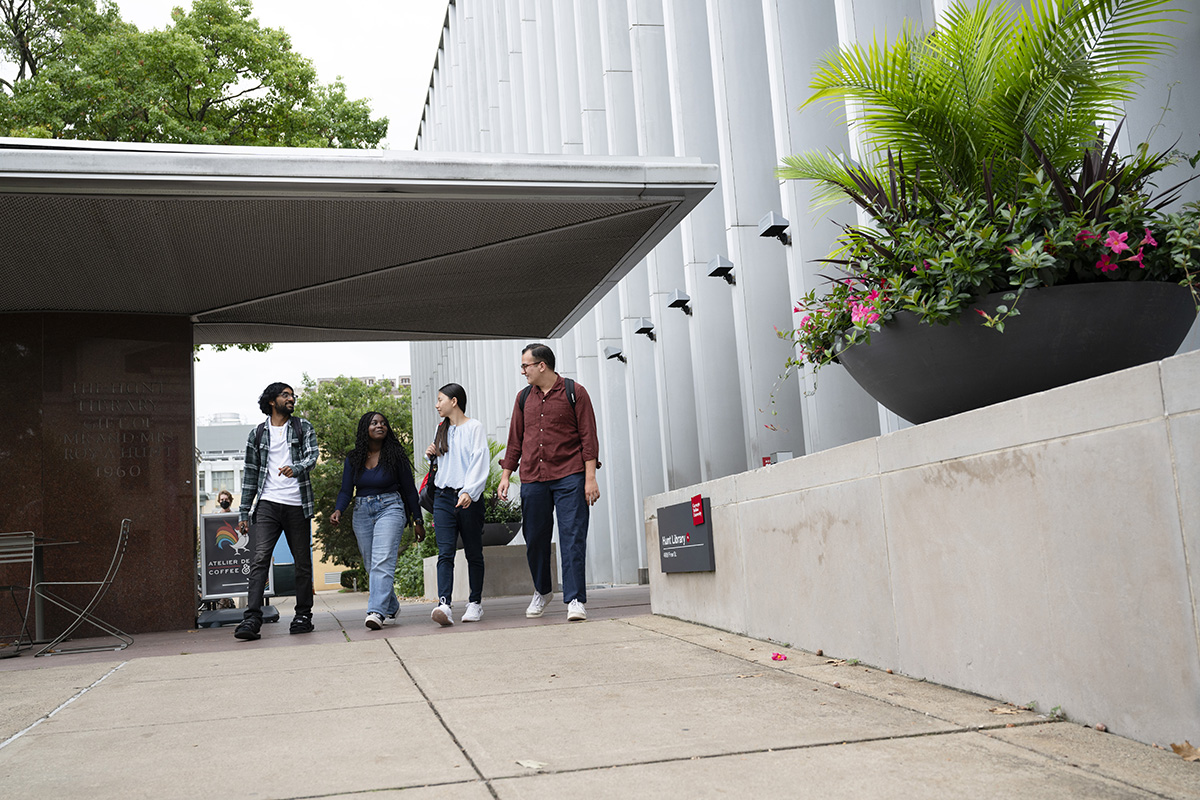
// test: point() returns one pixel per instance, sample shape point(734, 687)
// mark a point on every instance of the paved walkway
point(624, 705)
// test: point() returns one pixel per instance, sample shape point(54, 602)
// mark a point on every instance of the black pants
point(270, 520)
point(449, 523)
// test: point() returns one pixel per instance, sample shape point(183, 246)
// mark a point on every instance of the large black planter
point(1063, 334)
point(496, 534)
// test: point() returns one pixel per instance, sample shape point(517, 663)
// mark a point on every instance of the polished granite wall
point(96, 424)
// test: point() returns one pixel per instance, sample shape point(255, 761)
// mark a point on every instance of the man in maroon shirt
point(553, 440)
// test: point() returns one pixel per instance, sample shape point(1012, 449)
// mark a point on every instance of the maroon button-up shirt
point(550, 440)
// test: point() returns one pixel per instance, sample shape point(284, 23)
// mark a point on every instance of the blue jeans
point(564, 497)
point(448, 524)
point(378, 525)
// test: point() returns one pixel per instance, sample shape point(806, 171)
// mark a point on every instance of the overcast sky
point(384, 51)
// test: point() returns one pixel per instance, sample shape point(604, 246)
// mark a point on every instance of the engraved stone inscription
point(116, 426)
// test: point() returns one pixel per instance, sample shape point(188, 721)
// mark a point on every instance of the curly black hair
point(391, 456)
point(270, 393)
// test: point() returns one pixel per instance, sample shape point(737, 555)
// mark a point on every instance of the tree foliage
point(214, 75)
point(334, 408)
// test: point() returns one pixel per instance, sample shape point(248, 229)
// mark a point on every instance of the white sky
point(384, 51)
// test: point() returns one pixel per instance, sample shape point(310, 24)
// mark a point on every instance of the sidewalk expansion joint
point(438, 716)
point(68, 702)
point(756, 751)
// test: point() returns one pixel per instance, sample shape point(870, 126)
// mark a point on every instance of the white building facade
point(719, 80)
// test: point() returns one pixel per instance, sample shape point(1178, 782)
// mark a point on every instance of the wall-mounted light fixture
point(680, 299)
point(721, 267)
point(646, 327)
point(774, 226)
point(611, 352)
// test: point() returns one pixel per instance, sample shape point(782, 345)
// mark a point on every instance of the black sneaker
point(248, 629)
point(301, 623)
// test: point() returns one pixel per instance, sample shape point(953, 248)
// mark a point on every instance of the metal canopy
point(276, 244)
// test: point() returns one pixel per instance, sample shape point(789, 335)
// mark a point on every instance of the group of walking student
point(551, 441)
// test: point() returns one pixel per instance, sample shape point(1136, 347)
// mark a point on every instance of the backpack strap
point(568, 384)
point(262, 426)
point(522, 396)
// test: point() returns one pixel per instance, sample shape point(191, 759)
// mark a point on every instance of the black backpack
point(568, 385)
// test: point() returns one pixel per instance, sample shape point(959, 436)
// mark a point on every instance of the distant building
point(371, 380)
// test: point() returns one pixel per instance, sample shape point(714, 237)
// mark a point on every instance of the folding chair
point(17, 548)
point(86, 613)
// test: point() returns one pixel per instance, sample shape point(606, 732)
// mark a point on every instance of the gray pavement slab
point(950, 767)
point(625, 704)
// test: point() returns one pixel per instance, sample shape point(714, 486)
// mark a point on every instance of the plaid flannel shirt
point(254, 475)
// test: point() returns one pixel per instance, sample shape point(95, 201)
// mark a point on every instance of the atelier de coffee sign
point(685, 540)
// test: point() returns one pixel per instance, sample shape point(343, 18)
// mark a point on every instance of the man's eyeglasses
point(525, 366)
point(287, 395)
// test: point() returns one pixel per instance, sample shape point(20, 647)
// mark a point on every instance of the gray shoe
point(374, 621)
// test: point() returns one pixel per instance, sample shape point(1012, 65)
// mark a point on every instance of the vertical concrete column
point(678, 430)
point(513, 109)
point(532, 63)
point(600, 565)
point(496, 50)
point(713, 352)
point(633, 291)
point(570, 108)
point(591, 78)
point(771, 408)
point(840, 412)
point(547, 48)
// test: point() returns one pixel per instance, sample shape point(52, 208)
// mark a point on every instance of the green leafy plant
point(985, 169)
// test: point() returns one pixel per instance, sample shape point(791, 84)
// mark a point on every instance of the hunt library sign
point(115, 425)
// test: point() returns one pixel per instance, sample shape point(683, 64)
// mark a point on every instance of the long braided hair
point(392, 454)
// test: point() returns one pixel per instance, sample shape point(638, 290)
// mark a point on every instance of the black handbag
point(425, 495)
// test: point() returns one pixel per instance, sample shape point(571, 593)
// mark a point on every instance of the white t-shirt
point(280, 488)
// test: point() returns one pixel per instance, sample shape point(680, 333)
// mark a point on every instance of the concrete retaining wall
point(1045, 549)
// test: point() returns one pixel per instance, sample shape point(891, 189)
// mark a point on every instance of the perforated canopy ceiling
point(274, 244)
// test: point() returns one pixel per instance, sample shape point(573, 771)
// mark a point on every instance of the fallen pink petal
point(778, 657)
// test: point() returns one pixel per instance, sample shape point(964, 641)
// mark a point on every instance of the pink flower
point(1116, 242)
point(914, 269)
point(874, 295)
point(1148, 239)
point(1083, 236)
point(983, 313)
point(778, 657)
point(1104, 265)
point(862, 313)
point(1137, 259)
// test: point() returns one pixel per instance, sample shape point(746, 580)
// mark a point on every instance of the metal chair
point(17, 548)
point(86, 613)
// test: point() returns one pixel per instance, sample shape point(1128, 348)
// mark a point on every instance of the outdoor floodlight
point(679, 299)
point(721, 267)
point(611, 352)
point(647, 327)
point(773, 225)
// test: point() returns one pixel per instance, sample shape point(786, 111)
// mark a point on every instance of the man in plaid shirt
point(277, 497)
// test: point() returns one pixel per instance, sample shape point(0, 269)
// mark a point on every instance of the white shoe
point(473, 613)
point(441, 615)
point(537, 606)
point(576, 612)
point(374, 621)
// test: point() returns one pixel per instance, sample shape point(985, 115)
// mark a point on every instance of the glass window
point(222, 480)
point(200, 481)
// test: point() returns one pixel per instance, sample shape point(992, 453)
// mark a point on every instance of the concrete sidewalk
point(626, 704)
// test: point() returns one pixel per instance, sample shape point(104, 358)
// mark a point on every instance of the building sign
point(685, 542)
point(225, 558)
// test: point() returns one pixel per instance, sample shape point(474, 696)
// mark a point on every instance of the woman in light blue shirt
point(464, 459)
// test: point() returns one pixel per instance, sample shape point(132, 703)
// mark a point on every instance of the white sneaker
point(374, 621)
point(537, 605)
point(441, 615)
point(473, 613)
point(576, 612)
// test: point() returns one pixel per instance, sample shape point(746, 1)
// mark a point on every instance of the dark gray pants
point(270, 520)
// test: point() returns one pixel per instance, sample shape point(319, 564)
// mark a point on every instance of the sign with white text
point(685, 539)
point(225, 559)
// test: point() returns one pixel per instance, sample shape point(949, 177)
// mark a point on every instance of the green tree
point(334, 408)
point(212, 76)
